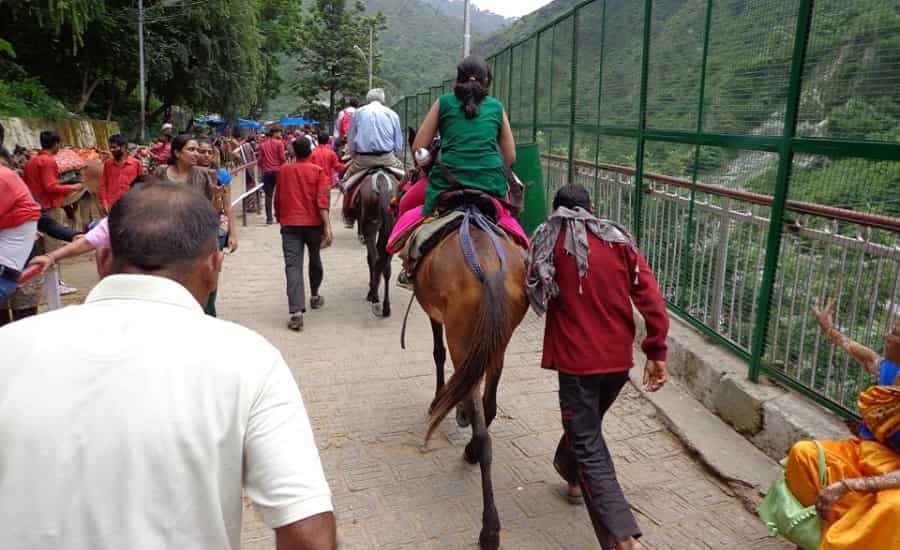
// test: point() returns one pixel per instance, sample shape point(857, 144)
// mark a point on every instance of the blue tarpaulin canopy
point(214, 121)
point(249, 124)
point(288, 121)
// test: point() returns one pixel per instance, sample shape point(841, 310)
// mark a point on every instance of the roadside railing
point(240, 174)
point(706, 244)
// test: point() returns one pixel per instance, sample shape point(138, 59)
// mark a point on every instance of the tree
point(328, 63)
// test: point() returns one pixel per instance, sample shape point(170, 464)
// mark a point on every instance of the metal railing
point(238, 175)
point(766, 140)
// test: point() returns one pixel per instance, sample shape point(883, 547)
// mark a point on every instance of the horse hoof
point(385, 311)
point(469, 455)
point(489, 540)
point(376, 310)
point(461, 419)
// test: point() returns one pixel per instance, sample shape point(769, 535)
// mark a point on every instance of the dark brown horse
point(376, 221)
point(479, 316)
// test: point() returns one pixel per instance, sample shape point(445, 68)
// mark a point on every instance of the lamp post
point(370, 59)
point(467, 25)
point(141, 69)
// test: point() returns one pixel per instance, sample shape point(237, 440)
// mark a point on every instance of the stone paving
point(367, 400)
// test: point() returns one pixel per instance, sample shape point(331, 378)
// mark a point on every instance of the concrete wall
point(78, 132)
point(770, 417)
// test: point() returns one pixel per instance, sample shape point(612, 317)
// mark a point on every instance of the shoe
point(362, 239)
point(296, 322)
point(349, 224)
point(316, 302)
point(65, 289)
point(270, 222)
point(405, 280)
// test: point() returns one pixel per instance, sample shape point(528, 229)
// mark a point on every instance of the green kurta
point(469, 150)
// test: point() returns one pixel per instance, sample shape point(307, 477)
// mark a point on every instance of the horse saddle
point(451, 208)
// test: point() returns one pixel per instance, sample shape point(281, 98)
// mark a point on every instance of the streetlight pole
point(467, 35)
point(371, 53)
point(141, 69)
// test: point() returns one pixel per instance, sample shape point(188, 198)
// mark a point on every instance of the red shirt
point(325, 157)
point(42, 177)
point(271, 154)
point(17, 206)
point(591, 331)
point(116, 179)
point(301, 192)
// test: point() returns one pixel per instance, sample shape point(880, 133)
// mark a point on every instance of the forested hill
point(521, 28)
point(423, 41)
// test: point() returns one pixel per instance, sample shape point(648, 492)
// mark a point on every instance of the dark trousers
point(582, 456)
point(269, 189)
point(293, 240)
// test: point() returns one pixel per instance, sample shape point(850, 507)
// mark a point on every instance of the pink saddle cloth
point(411, 216)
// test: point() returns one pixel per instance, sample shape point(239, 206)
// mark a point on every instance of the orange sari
point(861, 521)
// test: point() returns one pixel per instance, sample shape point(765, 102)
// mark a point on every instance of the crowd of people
point(187, 427)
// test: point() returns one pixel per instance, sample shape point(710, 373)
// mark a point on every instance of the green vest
point(468, 149)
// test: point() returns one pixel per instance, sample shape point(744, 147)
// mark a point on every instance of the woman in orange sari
point(860, 506)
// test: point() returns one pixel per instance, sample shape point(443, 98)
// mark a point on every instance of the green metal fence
point(752, 146)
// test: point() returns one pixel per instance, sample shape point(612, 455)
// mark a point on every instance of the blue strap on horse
point(468, 248)
point(472, 213)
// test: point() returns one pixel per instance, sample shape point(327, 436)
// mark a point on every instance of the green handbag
point(784, 516)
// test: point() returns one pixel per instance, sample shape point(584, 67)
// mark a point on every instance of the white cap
point(166, 126)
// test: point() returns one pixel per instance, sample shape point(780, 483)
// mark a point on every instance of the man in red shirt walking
point(325, 158)
point(271, 156)
point(118, 172)
point(301, 206)
point(586, 273)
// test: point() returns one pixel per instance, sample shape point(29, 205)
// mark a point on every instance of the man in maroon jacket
point(586, 273)
point(271, 156)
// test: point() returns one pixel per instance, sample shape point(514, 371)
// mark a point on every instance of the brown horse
point(479, 315)
point(376, 221)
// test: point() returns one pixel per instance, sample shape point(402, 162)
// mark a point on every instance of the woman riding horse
point(477, 150)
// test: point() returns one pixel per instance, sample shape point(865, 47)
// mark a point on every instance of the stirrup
point(405, 280)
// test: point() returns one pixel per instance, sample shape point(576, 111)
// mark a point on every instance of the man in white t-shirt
point(143, 420)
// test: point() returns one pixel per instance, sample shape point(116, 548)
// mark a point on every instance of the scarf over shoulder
point(541, 270)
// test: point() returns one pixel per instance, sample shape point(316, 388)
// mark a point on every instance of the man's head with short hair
point(302, 148)
point(572, 196)
point(50, 141)
point(275, 131)
point(324, 138)
point(118, 146)
point(167, 230)
point(375, 94)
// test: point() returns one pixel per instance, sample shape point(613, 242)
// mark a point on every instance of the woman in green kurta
point(477, 144)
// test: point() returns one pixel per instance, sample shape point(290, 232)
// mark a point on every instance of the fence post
point(689, 237)
point(51, 288)
point(721, 266)
point(573, 95)
point(782, 183)
point(599, 107)
point(534, 97)
point(642, 125)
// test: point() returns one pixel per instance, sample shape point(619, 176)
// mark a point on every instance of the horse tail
point(489, 336)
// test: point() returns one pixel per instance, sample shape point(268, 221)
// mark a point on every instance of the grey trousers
point(582, 456)
point(293, 241)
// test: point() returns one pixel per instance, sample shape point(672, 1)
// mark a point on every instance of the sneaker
point(270, 222)
point(349, 224)
point(316, 302)
point(405, 280)
point(296, 322)
point(65, 289)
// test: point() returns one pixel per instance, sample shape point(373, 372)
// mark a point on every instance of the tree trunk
point(86, 92)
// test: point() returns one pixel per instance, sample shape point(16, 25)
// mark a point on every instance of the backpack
point(344, 128)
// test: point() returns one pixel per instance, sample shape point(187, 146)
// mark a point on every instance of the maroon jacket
point(591, 330)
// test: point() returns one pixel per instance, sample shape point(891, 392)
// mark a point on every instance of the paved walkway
point(367, 399)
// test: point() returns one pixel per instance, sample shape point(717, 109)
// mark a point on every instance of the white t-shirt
point(134, 420)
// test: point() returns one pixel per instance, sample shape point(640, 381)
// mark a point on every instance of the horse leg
point(491, 383)
point(370, 233)
point(439, 353)
point(480, 450)
point(386, 305)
